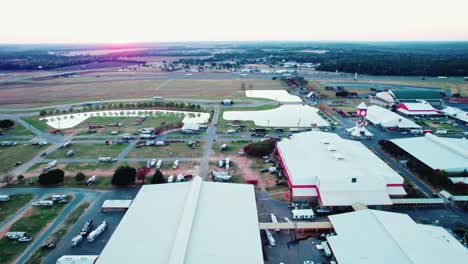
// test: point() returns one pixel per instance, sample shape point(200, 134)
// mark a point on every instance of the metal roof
point(116, 204)
point(190, 222)
point(414, 94)
point(330, 163)
point(386, 118)
point(449, 154)
point(370, 236)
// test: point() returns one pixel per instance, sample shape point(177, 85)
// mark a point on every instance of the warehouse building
point(421, 108)
point(188, 222)
point(456, 113)
point(438, 153)
point(395, 96)
point(385, 118)
point(336, 171)
point(370, 236)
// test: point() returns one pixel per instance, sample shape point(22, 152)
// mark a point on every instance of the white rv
point(159, 164)
point(271, 239)
point(76, 240)
point(96, 232)
point(176, 164)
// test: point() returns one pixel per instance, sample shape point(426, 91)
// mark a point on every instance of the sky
point(116, 21)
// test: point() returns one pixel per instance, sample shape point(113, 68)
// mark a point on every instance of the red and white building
point(420, 108)
point(336, 171)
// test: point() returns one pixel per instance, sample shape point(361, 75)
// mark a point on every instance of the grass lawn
point(16, 202)
point(232, 147)
point(127, 126)
point(31, 223)
point(179, 150)
point(38, 256)
point(9, 155)
point(89, 151)
point(35, 122)
point(18, 130)
point(427, 123)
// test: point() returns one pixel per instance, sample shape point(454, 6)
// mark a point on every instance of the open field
point(35, 92)
point(16, 202)
point(233, 148)
point(88, 151)
point(176, 150)
point(127, 124)
point(35, 122)
point(32, 222)
point(21, 152)
point(38, 256)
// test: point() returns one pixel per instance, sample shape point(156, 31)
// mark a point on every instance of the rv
point(159, 164)
point(106, 159)
point(43, 203)
point(170, 178)
point(66, 144)
point(220, 176)
point(91, 180)
point(152, 163)
point(15, 235)
point(274, 220)
point(96, 232)
point(70, 153)
point(58, 197)
point(4, 198)
point(50, 165)
point(158, 98)
point(441, 131)
point(303, 213)
point(271, 239)
point(176, 164)
point(220, 163)
point(223, 147)
point(227, 163)
point(76, 240)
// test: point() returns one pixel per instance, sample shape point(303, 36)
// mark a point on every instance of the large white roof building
point(336, 171)
point(448, 154)
point(381, 116)
point(190, 222)
point(370, 236)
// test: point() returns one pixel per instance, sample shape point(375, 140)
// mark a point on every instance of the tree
point(43, 113)
point(260, 149)
point(141, 174)
point(51, 177)
point(124, 176)
point(19, 178)
point(6, 123)
point(80, 177)
point(158, 178)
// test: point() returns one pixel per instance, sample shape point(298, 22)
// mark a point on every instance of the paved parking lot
point(93, 213)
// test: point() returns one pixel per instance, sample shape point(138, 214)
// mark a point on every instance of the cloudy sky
point(115, 21)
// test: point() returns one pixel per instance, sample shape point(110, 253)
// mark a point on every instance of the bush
point(158, 178)
point(51, 177)
point(80, 177)
point(260, 149)
point(6, 124)
point(124, 176)
point(19, 178)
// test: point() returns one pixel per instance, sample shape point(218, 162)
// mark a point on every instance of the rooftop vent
point(325, 141)
point(331, 148)
point(338, 156)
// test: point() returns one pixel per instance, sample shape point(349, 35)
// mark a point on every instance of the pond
point(283, 116)
point(72, 120)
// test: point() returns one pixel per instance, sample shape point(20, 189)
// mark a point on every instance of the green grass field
point(16, 202)
point(35, 122)
point(127, 124)
point(89, 151)
point(18, 130)
point(38, 256)
point(31, 223)
point(178, 150)
point(11, 154)
point(232, 148)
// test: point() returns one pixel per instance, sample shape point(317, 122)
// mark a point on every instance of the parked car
point(25, 239)
point(48, 245)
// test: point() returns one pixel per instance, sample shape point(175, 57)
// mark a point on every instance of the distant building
point(370, 236)
point(383, 117)
point(395, 96)
point(335, 171)
point(190, 128)
point(421, 108)
point(438, 153)
point(457, 114)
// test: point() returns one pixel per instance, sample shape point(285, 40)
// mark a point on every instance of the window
point(353, 180)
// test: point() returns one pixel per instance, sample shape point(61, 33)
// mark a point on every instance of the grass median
point(16, 202)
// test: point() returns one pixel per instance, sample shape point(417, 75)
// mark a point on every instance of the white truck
point(76, 240)
point(159, 164)
point(70, 153)
point(170, 179)
point(91, 180)
point(271, 239)
point(176, 164)
point(220, 176)
point(43, 203)
point(50, 165)
point(4, 198)
point(153, 163)
point(223, 147)
point(106, 159)
point(96, 232)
